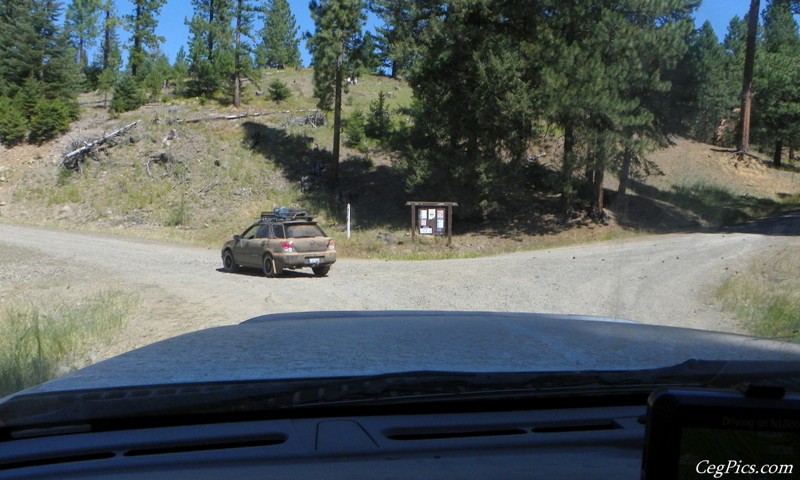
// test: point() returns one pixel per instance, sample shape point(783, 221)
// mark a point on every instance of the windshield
point(504, 187)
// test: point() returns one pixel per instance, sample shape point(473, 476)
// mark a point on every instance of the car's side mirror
point(236, 238)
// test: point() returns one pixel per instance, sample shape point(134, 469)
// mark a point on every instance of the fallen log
point(239, 116)
point(72, 160)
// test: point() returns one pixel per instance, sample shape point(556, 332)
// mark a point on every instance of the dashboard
point(603, 442)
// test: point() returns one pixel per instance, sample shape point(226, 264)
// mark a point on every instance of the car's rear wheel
point(228, 263)
point(269, 267)
point(321, 271)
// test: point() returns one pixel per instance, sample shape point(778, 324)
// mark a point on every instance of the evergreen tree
point(743, 132)
point(110, 56)
point(279, 46)
point(702, 93)
point(366, 57)
point(242, 59)
point(127, 95)
point(31, 45)
point(776, 110)
point(399, 37)
point(602, 64)
point(141, 23)
point(50, 118)
point(13, 127)
point(36, 68)
point(210, 56)
point(81, 23)
point(155, 74)
point(180, 70)
point(337, 33)
point(105, 83)
point(379, 121)
point(475, 81)
point(734, 45)
point(278, 91)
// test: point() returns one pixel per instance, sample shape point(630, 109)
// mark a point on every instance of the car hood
point(340, 344)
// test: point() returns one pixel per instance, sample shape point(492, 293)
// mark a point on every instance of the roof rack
point(285, 213)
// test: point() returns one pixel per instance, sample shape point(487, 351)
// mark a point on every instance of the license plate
point(313, 261)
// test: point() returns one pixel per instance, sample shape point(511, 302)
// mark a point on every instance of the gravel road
point(665, 279)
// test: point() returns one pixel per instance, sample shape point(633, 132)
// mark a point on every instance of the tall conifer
point(338, 25)
point(279, 45)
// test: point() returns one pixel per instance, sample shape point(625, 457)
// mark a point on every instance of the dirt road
point(665, 280)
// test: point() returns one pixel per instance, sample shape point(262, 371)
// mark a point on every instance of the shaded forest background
point(493, 85)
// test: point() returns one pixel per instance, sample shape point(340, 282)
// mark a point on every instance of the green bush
point(50, 119)
point(278, 91)
point(379, 121)
point(12, 123)
point(354, 129)
point(127, 95)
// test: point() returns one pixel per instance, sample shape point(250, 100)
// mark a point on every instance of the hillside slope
point(200, 182)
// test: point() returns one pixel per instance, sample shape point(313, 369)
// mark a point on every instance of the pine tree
point(702, 94)
point(743, 133)
point(110, 56)
point(127, 95)
point(776, 110)
point(36, 68)
point(155, 74)
point(278, 91)
point(279, 46)
point(242, 60)
point(31, 44)
point(180, 70)
point(338, 25)
point(13, 127)
point(399, 37)
point(210, 54)
point(141, 23)
point(81, 24)
point(597, 84)
point(475, 80)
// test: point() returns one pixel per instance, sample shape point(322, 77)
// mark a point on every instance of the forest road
point(662, 279)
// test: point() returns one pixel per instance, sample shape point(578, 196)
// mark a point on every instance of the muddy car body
point(284, 238)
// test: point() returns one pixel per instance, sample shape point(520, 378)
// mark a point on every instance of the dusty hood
point(332, 344)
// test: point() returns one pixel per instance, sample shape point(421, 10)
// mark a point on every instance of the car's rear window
point(304, 230)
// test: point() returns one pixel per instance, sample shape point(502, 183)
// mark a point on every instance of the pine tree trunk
point(743, 135)
point(237, 77)
point(137, 43)
point(598, 201)
point(566, 170)
point(237, 90)
point(337, 119)
point(624, 174)
point(776, 158)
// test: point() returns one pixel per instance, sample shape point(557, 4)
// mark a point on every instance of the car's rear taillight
point(331, 245)
point(288, 247)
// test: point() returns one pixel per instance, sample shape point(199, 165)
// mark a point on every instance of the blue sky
point(172, 26)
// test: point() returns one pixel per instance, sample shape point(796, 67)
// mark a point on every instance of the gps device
point(712, 434)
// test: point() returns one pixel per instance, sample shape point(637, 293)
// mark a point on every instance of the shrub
point(379, 121)
point(354, 129)
point(127, 95)
point(278, 91)
point(12, 123)
point(50, 119)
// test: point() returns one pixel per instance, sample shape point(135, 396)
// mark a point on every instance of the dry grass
point(767, 295)
point(38, 343)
